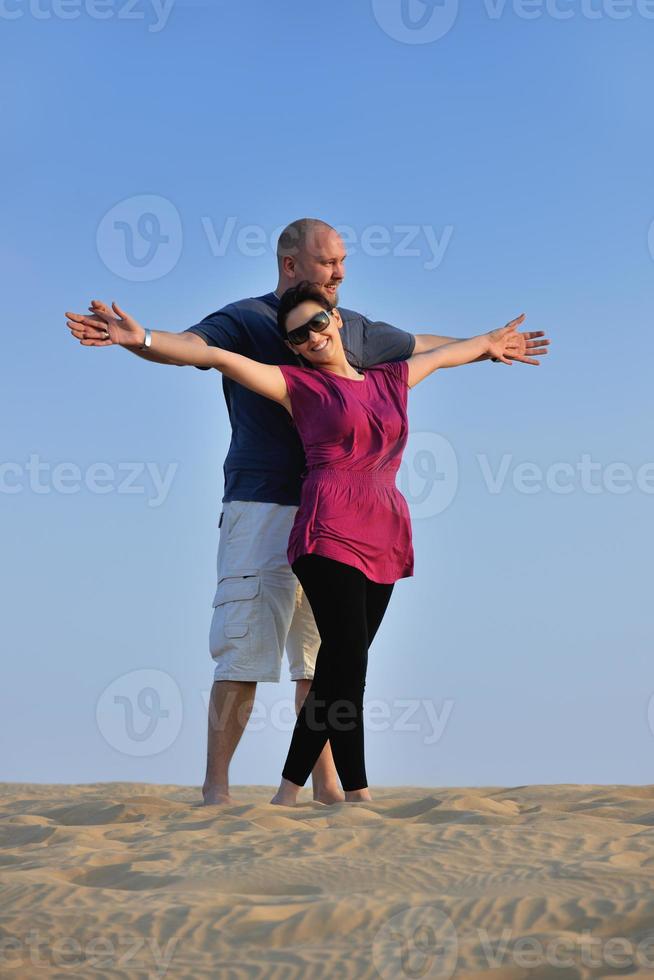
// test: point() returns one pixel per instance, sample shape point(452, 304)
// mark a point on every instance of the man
point(259, 606)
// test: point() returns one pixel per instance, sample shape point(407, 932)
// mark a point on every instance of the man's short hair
point(297, 237)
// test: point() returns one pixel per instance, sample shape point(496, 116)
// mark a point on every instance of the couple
point(319, 392)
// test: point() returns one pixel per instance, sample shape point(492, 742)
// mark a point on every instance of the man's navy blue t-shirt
point(265, 460)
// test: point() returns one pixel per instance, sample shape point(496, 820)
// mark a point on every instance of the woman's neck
point(342, 368)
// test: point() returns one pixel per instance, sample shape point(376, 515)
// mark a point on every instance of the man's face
point(321, 261)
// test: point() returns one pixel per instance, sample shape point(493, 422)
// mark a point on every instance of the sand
point(134, 880)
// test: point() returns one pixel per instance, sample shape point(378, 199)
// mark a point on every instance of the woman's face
point(323, 346)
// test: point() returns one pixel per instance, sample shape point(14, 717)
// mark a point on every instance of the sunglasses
point(319, 322)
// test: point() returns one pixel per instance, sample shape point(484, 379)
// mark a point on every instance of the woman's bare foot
point(287, 793)
point(328, 794)
point(357, 795)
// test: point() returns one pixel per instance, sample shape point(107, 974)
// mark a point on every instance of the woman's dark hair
point(295, 295)
point(304, 291)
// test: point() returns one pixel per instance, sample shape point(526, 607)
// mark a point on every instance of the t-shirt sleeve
point(295, 385)
point(383, 342)
point(306, 390)
point(220, 329)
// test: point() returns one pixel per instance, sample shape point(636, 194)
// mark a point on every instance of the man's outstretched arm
point(93, 330)
point(525, 346)
point(430, 341)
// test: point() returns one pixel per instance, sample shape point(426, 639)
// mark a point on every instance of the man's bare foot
point(287, 793)
point(358, 795)
point(216, 795)
point(328, 794)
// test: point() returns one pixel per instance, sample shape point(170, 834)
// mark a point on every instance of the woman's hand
point(502, 342)
point(105, 326)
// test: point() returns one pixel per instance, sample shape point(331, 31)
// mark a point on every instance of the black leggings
point(348, 609)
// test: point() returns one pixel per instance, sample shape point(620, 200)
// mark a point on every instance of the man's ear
point(288, 265)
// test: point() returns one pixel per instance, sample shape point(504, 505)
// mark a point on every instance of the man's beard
point(332, 297)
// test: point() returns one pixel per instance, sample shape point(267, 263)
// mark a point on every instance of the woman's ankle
point(358, 795)
point(287, 793)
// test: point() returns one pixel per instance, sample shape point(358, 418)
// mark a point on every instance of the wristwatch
point(147, 340)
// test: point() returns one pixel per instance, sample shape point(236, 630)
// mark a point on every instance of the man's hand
point(524, 347)
point(527, 346)
point(501, 341)
point(105, 326)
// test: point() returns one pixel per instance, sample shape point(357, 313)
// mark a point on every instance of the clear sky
point(482, 162)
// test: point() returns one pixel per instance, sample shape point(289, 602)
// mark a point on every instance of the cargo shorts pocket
point(236, 607)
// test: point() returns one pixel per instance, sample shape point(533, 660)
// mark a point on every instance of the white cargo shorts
point(259, 606)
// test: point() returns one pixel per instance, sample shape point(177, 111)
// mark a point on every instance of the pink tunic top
point(353, 433)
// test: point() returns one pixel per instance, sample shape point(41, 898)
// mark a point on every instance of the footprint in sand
point(119, 877)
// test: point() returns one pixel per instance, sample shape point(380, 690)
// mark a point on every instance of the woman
point(351, 540)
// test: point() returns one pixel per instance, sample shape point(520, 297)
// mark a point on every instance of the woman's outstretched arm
point(497, 343)
point(121, 329)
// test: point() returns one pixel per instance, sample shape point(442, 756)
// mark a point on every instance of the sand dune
point(130, 880)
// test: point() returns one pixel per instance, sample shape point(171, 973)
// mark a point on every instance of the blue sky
point(510, 156)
